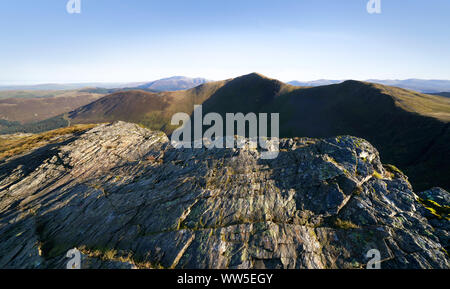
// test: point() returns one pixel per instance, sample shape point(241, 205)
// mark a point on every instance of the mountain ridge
point(410, 129)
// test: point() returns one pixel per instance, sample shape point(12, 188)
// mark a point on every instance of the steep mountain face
point(248, 93)
point(124, 197)
point(173, 83)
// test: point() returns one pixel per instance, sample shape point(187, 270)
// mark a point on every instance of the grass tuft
point(14, 145)
point(345, 225)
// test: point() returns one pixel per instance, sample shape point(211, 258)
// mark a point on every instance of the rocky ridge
point(126, 198)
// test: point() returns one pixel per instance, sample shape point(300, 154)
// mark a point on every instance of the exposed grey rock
point(436, 208)
point(437, 195)
point(125, 197)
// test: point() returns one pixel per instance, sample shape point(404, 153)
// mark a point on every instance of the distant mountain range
point(420, 85)
point(181, 83)
point(410, 129)
point(445, 94)
point(318, 82)
point(165, 84)
point(66, 86)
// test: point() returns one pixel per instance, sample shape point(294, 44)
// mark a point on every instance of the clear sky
point(142, 40)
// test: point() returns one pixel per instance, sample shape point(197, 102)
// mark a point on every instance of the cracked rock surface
point(126, 198)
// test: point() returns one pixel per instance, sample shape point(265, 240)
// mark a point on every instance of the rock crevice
point(126, 198)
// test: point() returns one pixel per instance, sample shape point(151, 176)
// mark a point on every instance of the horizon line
point(31, 84)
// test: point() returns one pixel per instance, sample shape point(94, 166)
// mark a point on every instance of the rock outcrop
point(126, 198)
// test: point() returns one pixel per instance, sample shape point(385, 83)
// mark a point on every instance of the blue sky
point(142, 40)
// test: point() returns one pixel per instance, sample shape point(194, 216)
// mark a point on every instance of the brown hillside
point(27, 110)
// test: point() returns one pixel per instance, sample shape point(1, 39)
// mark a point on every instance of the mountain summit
point(173, 83)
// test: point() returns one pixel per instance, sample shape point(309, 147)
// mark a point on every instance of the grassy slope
point(434, 106)
point(12, 145)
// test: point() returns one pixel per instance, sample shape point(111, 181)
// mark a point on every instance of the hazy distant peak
point(420, 85)
point(173, 83)
point(318, 82)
